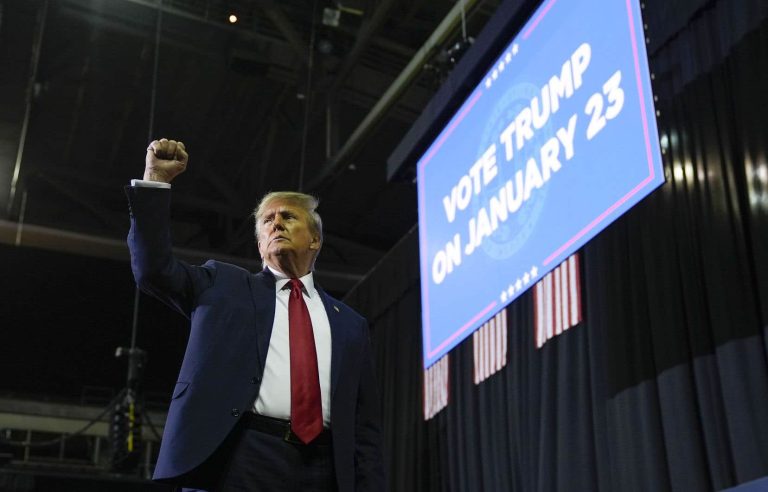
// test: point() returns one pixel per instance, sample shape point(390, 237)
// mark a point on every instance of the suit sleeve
point(156, 270)
point(369, 461)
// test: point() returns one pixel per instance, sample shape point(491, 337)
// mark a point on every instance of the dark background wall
point(62, 317)
point(664, 385)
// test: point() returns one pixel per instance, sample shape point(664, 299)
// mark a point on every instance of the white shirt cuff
point(141, 183)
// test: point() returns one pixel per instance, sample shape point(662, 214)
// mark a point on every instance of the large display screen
point(555, 143)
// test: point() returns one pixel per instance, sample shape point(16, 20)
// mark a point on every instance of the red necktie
point(306, 409)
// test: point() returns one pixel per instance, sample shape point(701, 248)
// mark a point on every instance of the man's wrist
point(150, 175)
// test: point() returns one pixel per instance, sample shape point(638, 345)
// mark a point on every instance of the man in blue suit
point(276, 390)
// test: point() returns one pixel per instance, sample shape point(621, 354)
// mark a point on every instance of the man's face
point(285, 234)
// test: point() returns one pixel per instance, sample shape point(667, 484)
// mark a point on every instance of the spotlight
point(232, 18)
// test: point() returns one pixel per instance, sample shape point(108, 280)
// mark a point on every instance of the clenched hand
point(165, 160)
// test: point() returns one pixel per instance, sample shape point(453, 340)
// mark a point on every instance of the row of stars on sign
point(501, 66)
point(518, 285)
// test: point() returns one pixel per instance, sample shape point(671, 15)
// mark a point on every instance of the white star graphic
point(488, 83)
point(495, 74)
point(501, 67)
point(515, 49)
point(503, 296)
point(508, 57)
point(511, 290)
point(526, 278)
point(518, 284)
point(534, 271)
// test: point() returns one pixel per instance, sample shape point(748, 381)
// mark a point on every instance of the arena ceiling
point(297, 94)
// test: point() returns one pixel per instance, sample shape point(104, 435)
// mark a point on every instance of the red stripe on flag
point(436, 388)
point(538, 313)
point(557, 301)
point(565, 275)
point(481, 341)
point(490, 347)
point(548, 309)
point(500, 327)
point(475, 356)
point(488, 329)
point(575, 290)
point(504, 328)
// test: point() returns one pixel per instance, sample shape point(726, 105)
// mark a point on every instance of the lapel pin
point(336, 308)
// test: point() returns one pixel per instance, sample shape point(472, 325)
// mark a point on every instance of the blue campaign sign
point(557, 141)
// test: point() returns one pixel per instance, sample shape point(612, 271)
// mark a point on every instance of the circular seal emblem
point(513, 233)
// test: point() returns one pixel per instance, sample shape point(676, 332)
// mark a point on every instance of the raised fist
point(165, 160)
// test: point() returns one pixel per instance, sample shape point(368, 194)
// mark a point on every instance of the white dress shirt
point(274, 398)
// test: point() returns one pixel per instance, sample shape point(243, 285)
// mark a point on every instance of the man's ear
point(316, 243)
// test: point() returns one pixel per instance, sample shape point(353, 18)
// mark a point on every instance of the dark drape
point(664, 385)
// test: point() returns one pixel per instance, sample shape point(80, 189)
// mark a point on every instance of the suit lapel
point(264, 297)
point(338, 336)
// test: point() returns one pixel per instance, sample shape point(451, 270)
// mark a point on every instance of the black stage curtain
point(664, 385)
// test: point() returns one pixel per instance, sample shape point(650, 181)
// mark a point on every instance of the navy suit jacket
point(232, 312)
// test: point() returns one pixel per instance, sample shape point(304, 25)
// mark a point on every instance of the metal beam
point(363, 39)
point(80, 199)
point(386, 44)
point(34, 64)
point(333, 276)
point(63, 418)
point(64, 179)
point(276, 15)
point(393, 93)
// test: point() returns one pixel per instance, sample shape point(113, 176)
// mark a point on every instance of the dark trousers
point(255, 461)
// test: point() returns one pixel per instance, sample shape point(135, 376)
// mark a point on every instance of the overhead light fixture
point(331, 17)
point(232, 18)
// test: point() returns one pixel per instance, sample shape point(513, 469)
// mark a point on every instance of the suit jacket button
point(235, 412)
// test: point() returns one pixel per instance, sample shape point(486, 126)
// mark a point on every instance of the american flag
point(489, 344)
point(557, 301)
point(436, 387)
